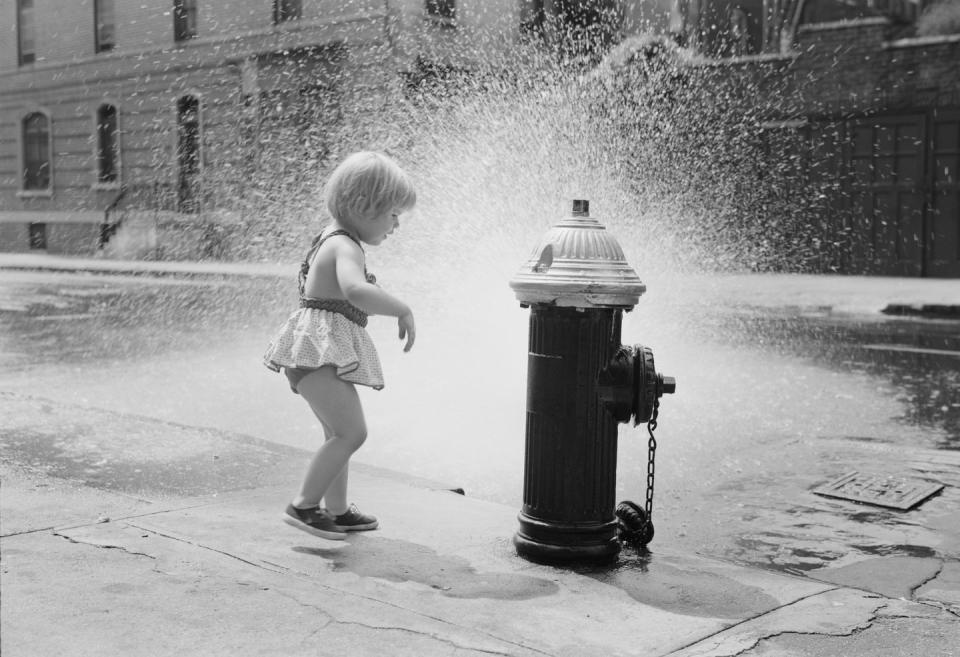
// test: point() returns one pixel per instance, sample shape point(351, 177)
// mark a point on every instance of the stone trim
point(920, 42)
point(844, 25)
point(51, 217)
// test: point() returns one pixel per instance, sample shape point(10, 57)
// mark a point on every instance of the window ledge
point(105, 186)
point(34, 193)
point(441, 21)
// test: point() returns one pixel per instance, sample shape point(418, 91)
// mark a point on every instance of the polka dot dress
point(312, 338)
point(316, 336)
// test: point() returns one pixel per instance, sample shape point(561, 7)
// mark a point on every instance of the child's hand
point(407, 329)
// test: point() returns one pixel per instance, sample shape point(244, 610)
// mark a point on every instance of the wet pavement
point(817, 393)
point(149, 570)
point(150, 388)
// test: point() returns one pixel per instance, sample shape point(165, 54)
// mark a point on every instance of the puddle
point(682, 590)
point(402, 561)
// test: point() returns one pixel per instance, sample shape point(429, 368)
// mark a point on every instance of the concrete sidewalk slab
point(210, 576)
point(809, 628)
point(116, 590)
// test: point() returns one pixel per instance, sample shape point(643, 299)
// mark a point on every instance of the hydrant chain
point(651, 460)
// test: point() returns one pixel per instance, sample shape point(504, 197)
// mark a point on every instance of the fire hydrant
point(581, 382)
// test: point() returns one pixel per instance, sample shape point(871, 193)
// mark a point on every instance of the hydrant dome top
point(578, 263)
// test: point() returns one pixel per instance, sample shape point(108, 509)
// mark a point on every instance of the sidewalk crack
point(105, 546)
point(913, 590)
point(434, 636)
point(753, 618)
point(333, 619)
point(206, 547)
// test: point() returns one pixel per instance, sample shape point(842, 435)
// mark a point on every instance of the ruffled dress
point(325, 332)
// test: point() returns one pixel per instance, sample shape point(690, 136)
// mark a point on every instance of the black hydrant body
point(581, 383)
point(571, 439)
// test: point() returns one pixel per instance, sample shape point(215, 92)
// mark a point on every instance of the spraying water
point(668, 153)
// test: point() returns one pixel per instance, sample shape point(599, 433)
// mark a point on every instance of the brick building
point(890, 110)
point(880, 116)
point(149, 116)
point(872, 108)
point(122, 113)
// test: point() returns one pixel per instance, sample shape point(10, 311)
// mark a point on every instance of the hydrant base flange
point(552, 542)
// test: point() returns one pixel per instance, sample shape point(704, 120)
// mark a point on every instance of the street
point(770, 403)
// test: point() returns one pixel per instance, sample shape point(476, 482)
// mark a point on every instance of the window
point(108, 145)
point(38, 236)
point(532, 17)
point(188, 153)
point(26, 38)
point(184, 19)
point(104, 25)
point(445, 10)
point(287, 10)
point(36, 152)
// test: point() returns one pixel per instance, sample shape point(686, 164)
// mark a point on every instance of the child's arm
point(368, 297)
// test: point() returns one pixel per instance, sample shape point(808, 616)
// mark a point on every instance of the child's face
point(375, 231)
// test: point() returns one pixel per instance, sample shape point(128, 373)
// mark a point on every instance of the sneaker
point(313, 521)
point(354, 521)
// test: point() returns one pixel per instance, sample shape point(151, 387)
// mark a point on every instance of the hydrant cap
point(578, 263)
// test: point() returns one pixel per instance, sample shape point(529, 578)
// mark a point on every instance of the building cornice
point(209, 52)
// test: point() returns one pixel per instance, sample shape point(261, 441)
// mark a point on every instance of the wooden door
point(943, 248)
point(887, 171)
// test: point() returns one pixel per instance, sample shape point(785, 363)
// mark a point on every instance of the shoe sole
point(360, 528)
point(322, 533)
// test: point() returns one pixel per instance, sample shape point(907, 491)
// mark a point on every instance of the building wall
point(351, 49)
point(14, 237)
point(143, 76)
point(855, 80)
point(72, 238)
point(856, 68)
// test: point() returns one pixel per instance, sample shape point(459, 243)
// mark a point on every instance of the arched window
point(108, 144)
point(36, 152)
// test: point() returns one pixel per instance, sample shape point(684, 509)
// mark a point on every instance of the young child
point(324, 348)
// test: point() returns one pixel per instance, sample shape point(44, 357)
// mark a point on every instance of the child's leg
point(337, 405)
point(335, 499)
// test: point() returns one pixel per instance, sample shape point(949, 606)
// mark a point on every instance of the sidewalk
point(862, 295)
point(223, 576)
point(96, 562)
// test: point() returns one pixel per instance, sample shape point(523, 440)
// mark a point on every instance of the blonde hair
point(365, 185)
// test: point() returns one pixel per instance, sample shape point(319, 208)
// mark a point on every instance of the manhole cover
point(890, 492)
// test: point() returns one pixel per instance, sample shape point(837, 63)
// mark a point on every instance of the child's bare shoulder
point(345, 247)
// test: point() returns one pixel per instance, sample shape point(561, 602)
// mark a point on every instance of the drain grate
point(890, 492)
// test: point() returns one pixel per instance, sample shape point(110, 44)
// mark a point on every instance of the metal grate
point(890, 492)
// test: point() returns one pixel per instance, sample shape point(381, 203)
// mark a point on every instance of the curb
point(185, 269)
point(929, 311)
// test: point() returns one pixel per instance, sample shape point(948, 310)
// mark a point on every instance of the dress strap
point(318, 242)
